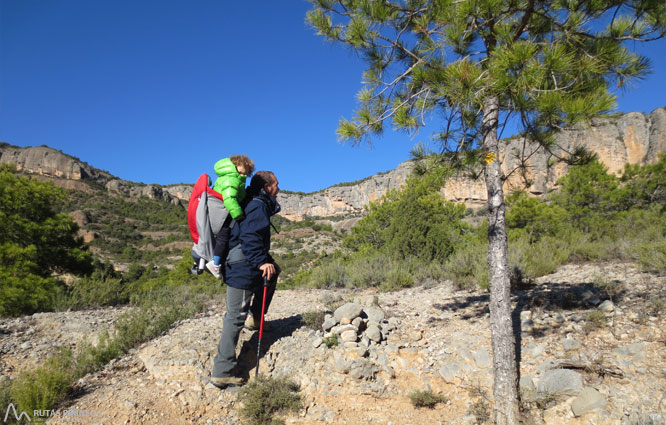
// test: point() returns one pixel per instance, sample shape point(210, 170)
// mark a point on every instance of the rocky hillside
point(574, 369)
point(635, 138)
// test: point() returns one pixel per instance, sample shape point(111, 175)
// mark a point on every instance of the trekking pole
point(261, 326)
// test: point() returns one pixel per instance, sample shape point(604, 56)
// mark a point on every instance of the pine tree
point(543, 64)
point(36, 242)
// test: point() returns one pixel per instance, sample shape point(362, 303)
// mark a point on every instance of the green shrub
point(645, 185)
point(656, 307)
point(610, 287)
point(36, 242)
point(5, 392)
point(329, 275)
point(538, 258)
point(314, 319)
point(594, 320)
point(265, 397)
point(535, 217)
point(332, 341)
point(29, 217)
point(396, 279)
point(89, 292)
point(481, 411)
point(590, 194)
point(426, 398)
point(22, 289)
point(414, 222)
point(91, 358)
point(46, 386)
point(468, 266)
point(652, 255)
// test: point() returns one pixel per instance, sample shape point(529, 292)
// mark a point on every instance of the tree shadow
point(475, 306)
point(541, 299)
point(280, 328)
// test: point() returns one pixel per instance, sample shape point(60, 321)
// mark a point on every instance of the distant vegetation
point(39, 247)
point(414, 235)
point(124, 227)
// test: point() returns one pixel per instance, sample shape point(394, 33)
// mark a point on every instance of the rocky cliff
point(343, 199)
point(49, 162)
point(635, 138)
point(71, 173)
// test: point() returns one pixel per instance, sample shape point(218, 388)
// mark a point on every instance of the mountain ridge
point(635, 137)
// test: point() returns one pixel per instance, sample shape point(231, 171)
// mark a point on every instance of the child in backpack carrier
point(231, 174)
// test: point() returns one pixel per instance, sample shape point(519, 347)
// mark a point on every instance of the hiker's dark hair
point(261, 179)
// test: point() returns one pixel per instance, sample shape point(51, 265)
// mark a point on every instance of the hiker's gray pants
point(238, 305)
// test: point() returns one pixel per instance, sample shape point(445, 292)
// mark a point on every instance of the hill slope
point(436, 338)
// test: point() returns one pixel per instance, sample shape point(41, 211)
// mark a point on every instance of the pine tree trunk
point(505, 411)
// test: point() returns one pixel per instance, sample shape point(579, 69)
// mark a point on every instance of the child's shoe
point(213, 269)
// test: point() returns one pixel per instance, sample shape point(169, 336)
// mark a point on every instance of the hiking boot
point(213, 269)
point(253, 325)
point(226, 381)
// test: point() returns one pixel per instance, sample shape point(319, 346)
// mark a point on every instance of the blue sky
point(157, 91)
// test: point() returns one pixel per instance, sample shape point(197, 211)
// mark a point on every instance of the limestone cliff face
point(635, 138)
point(71, 173)
point(49, 162)
point(343, 199)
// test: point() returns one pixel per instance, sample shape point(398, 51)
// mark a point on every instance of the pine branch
point(524, 21)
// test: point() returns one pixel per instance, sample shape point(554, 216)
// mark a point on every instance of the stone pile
point(358, 327)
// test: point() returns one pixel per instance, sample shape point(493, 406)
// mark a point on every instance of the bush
point(23, 290)
point(5, 392)
point(35, 242)
point(538, 258)
point(46, 386)
point(89, 292)
point(590, 194)
point(426, 398)
point(314, 319)
point(265, 397)
point(594, 320)
point(332, 341)
point(535, 217)
point(414, 222)
point(329, 275)
point(468, 266)
point(396, 279)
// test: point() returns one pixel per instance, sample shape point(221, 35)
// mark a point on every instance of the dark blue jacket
point(253, 234)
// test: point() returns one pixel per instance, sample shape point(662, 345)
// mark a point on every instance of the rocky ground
point(575, 368)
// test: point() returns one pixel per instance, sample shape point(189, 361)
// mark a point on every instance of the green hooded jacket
point(231, 185)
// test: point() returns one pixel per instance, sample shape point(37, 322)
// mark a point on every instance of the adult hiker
point(248, 262)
